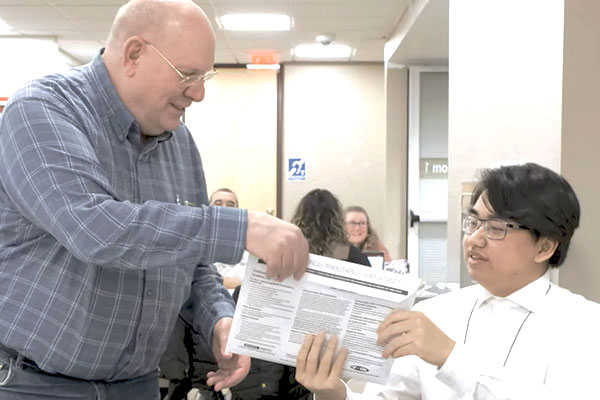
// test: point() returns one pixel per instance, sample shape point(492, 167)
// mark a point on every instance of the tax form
point(338, 297)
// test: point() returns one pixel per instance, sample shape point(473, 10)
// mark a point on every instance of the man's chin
point(170, 126)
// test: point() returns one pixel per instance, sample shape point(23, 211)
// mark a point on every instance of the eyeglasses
point(186, 80)
point(355, 224)
point(494, 228)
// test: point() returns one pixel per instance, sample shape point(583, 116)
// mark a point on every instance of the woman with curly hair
point(360, 233)
point(319, 217)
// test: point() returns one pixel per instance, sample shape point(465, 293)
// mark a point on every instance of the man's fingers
point(274, 266)
point(287, 265)
point(279, 243)
point(224, 378)
point(301, 260)
point(228, 381)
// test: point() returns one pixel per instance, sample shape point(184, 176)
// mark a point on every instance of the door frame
point(413, 157)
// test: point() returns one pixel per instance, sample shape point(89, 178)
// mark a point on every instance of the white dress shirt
point(541, 342)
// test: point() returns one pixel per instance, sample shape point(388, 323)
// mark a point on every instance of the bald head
point(152, 19)
point(154, 45)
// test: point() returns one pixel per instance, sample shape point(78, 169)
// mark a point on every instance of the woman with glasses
point(360, 232)
point(319, 217)
point(514, 335)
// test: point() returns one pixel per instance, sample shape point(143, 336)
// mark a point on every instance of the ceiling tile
point(81, 26)
point(106, 13)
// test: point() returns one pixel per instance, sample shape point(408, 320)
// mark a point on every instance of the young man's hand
point(405, 333)
point(322, 377)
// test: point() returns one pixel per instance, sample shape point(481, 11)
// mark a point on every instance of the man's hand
point(322, 377)
point(405, 333)
point(233, 368)
point(279, 244)
point(231, 282)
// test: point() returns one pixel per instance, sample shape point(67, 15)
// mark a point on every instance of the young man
point(515, 335)
point(99, 249)
point(224, 197)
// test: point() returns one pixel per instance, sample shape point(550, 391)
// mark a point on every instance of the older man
point(515, 335)
point(99, 249)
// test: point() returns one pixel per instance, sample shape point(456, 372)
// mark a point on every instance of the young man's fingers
point(327, 358)
point(397, 346)
point(303, 352)
point(336, 370)
point(312, 360)
point(392, 318)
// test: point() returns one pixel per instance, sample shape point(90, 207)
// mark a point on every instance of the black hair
point(319, 217)
point(535, 197)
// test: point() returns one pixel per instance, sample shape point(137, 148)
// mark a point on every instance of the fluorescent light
point(262, 66)
point(322, 51)
point(256, 22)
point(5, 28)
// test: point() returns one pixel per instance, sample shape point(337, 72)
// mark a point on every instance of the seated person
point(232, 274)
point(360, 232)
point(224, 197)
point(319, 217)
point(515, 335)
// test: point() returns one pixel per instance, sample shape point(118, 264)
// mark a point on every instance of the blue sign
point(296, 169)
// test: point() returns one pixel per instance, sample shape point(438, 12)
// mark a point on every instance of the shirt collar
point(118, 115)
point(120, 118)
point(530, 296)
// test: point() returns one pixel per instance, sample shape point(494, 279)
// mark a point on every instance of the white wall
point(334, 117)
point(235, 129)
point(30, 59)
point(505, 92)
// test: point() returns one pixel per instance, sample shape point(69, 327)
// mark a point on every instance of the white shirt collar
point(530, 296)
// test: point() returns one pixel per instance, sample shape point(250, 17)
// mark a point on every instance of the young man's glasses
point(186, 80)
point(494, 228)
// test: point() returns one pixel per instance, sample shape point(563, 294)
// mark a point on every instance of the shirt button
point(149, 292)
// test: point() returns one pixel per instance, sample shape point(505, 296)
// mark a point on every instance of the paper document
point(338, 297)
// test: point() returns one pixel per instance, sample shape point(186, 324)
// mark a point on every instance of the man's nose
point(479, 237)
point(195, 92)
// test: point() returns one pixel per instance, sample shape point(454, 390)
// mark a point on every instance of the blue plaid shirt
point(99, 249)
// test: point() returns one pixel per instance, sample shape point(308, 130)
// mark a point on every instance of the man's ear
point(545, 249)
point(132, 50)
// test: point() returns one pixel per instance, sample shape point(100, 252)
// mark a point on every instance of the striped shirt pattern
point(99, 248)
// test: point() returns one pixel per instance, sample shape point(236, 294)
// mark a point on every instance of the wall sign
point(296, 169)
point(433, 168)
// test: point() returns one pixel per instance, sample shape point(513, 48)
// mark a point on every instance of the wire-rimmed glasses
point(356, 224)
point(495, 229)
point(186, 80)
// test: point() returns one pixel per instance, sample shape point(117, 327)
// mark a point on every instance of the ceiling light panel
point(255, 22)
point(318, 51)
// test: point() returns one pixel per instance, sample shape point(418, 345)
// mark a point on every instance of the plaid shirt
point(98, 250)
